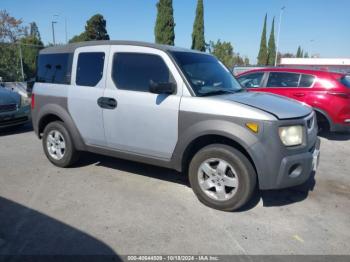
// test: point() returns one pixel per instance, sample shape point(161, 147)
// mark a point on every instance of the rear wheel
point(58, 146)
point(222, 177)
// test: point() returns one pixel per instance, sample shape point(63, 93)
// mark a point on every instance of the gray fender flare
point(229, 130)
point(59, 111)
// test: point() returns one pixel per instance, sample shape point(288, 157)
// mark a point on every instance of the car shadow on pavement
point(15, 130)
point(269, 198)
point(133, 167)
point(335, 136)
point(24, 231)
point(281, 197)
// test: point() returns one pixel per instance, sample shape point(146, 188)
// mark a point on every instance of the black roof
point(70, 48)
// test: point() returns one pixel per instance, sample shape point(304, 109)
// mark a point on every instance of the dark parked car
point(327, 92)
point(14, 108)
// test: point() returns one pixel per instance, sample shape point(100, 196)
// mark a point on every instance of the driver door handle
point(107, 102)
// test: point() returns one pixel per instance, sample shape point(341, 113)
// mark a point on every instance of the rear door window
point(280, 79)
point(306, 80)
point(90, 68)
point(54, 68)
point(252, 80)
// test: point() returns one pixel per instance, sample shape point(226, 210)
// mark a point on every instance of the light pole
point(53, 22)
point(53, 31)
point(312, 41)
point(65, 29)
point(278, 34)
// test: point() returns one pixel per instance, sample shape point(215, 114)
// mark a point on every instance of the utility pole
point(278, 35)
point(53, 22)
point(65, 29)
point(21, 59)
point(53, 32)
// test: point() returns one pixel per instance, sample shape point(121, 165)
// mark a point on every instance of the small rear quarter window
point(306, 80)
point(54, 68)
point(345, 80)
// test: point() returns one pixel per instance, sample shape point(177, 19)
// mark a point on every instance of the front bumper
point(14, 118)
point(279, 166)
point(297, 169)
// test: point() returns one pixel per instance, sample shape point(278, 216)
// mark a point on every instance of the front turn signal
point(253, 127)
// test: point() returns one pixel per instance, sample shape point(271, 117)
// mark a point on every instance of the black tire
point(70, 155)
point(322, 123)
point(244, 171)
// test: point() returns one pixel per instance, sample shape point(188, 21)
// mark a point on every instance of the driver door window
point(251, 80)
point(135, 72)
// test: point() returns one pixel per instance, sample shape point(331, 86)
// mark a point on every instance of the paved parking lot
point(110, 206)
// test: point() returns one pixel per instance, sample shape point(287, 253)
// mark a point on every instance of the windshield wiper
point(218, 92)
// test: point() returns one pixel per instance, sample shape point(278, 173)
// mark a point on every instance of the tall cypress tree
point(198, 40)
point(34, 31)
point(262, 57)
point(298, 52)
point(272, 46)
point(164, 30)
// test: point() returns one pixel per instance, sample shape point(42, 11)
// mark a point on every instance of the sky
point(319, 26)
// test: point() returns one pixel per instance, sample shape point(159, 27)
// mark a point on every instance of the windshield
point(206, 75)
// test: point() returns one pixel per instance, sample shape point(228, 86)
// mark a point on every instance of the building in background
point(326, 64)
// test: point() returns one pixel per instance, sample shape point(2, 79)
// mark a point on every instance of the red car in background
point(327, 92)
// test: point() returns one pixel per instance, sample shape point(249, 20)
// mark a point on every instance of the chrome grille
point(8, 108)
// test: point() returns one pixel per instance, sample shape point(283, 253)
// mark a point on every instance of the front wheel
point(222, 177)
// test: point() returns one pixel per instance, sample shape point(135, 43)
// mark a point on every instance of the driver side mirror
point(162, 88)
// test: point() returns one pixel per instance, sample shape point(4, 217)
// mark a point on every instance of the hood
point(281, 107)
point(9, 97)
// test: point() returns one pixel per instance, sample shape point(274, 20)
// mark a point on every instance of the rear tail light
point(339, 94)
point(33, 101)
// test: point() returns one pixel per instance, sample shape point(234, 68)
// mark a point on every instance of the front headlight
point(25, 101)
point(291, 135)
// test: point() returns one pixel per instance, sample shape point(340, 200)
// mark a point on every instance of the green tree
point(95, 29)
point(11, 30)
point(298, 55)
point(164, 29)
point(34, 31)
point(246, 61)
point(10, 69)
point(263, 54)
point(79, 38)
point(198, 39)
point(223, 51)
point(30, 46)
point(306, 55)
point(272, 46)
point(237, 60)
